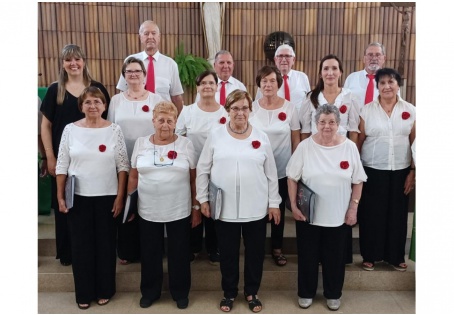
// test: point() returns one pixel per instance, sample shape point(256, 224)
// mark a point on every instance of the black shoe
point(183, 303)
point(215, 258)
point(144, 302)
point(65, 263)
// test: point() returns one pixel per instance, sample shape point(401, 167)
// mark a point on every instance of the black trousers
point(211, 240)
point(128, 244)
point(62, 237)
point(229, 236)
point(178, 250)
point(277, 231)
point(320, 244)
point(93, 242)
point(383, 215)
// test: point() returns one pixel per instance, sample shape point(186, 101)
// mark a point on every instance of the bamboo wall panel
point(108, 32)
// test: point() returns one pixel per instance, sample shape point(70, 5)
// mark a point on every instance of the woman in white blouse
point(93, 149)
point(132, 110)
point(163, 172)
point(195, 122)
point(278, 118)
point(330, 165)
point(388, 129)
point(238, 158)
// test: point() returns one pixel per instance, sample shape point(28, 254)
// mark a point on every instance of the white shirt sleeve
point(203, 171)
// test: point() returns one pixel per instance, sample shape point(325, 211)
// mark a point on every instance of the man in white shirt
point(374, 59)
point(223, 65)
point(167, 82)
point(296, 83)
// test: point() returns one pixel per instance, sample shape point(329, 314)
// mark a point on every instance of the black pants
point(229, 236)
point(277, 231)
point(93, 242)
point(211, 240)
point(62, 237)
point(128, 246)
point(383, 215)
point(178, 250)
point(320, 244)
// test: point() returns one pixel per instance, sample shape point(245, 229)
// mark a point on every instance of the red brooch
point(145, 108)
point(222, 120)
point(343, 109)
point(102, 147)
point(405, 115)
point(256, 144)
point(282, 116)
point(344, 165)
point(172, 155)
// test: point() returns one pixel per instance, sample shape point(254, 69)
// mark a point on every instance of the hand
point(62, 205)
point(409, 183)
point(297, 214)
point(205, 209)
point(117, 206)
point(274, 213)
point(350, 217)
point(196, 218)
point(43, 169)
point(51, 165)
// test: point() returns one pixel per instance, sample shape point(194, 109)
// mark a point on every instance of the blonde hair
point(165, 107)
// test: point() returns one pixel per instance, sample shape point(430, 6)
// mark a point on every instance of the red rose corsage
point(256, 144)
point(282, 116)
point(145, 108)
point(344, 165)
point(102, 148)
point(222, 120)
point(172, 155)
point(343, 109)
point(405, 115)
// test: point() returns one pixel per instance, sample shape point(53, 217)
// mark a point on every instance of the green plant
point(189, 66)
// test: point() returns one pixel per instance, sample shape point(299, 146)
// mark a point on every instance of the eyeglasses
point(88, 103)
point(133, 71)
point(244, 109)
point(323, 123)
point(161, 158)
point(372, 56)
point(284, 56)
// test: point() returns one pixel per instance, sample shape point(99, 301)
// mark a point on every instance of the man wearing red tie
point(223, 65)
point(295, 83)
point(362, 83)
point(162, 73)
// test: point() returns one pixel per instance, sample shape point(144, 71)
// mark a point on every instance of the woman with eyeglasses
point(238, 158)
point(195, 122)
point(132, 110)
point(278, 118)
point(163, 172)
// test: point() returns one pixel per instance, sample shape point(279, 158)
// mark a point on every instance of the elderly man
point(162, 74)
point(223, 65)
point(362, 83)
point(296, 83)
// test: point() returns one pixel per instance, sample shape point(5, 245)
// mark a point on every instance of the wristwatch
point(196, 207)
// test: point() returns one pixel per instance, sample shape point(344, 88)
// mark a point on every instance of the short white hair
point(148, 22)
point(284, 46)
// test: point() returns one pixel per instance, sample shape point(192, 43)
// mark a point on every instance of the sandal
point(226, 303)
point(279, 259)
point(83, 306)
point(400, 267)
point(102, 301)
point(367, 265)
point(253, 303)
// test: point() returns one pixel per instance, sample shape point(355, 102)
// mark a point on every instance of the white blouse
point(246, 175)
point(134, 117)
point(387, 144)
point(349, 108)
point(164, 183)
point(94, 156)
point(278, 130)
point(196, 124)
point(320, 169)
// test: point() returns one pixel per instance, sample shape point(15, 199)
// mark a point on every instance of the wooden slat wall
point(108, 32)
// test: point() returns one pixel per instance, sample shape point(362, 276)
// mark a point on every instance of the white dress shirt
point(357, 83)
point(231, 85)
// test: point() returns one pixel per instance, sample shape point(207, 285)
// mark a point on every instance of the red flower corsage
point(172, 155)
point(145, 108)
point(344, 165)
point(405, 115)
point(102, 147)
point(256, 143)
point(222, 120)
point(282, 116)
point(343, 109)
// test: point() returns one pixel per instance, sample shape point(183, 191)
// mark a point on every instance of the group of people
point(351, 145)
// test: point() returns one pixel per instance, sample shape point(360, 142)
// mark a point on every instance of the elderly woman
point(60, 108)
point(388, 129)
point(195, 122)
point(132, 110)
point(93, 150)
point(278, 118)
point(238, 159)
point(330, 165)
point(163, 172)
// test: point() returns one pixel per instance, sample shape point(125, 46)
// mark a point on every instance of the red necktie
point(222, 96)
point(150, 76)
point(370, 89)
point(286, 88)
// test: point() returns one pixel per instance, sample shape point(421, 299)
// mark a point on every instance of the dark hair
point(327, 109)
point(91, 91)
point(388, 72)
point(267, 70)
point(133, 60)
point(235, 96)
point(320, 84)
point(204, 74)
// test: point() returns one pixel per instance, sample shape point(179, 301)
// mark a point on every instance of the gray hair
point(376, 44)
point(285, 46)
point(327, 109)
point(222, 52)
point(146, 22)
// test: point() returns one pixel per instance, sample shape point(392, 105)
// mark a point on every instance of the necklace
point(241, 132)
point(137, 96)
